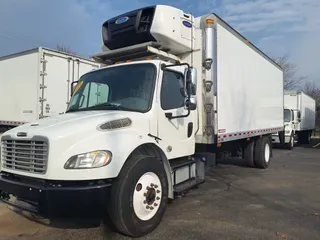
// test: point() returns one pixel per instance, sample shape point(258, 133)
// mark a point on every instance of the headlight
point(94, 159)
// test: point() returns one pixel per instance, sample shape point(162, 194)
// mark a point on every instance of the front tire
point(290, 145)
point(139, 196)
point(262, 153)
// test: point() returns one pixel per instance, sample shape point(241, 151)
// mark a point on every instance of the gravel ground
point(235, 202)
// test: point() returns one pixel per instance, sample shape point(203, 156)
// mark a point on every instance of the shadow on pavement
point(235, 161)
point(69, 223)
point(63, 223)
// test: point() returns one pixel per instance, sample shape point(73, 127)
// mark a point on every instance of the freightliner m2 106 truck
point(299, 119)
point(177, 92)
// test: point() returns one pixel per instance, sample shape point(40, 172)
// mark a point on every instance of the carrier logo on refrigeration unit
point(121, 20)
point(187, 24)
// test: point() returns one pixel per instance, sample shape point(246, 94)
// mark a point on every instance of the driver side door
point(177, 135)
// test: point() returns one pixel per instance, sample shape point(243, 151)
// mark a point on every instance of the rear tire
point(139, 196)
point(248, 154)
point(262, 153)
point(305, 137)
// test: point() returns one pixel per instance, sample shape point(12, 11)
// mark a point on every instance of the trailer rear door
point(59, 71)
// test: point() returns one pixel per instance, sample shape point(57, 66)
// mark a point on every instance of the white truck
point(177, 93)
point(299, 119)
point(36, 83)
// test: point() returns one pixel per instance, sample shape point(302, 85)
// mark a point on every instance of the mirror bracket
point(72, 87)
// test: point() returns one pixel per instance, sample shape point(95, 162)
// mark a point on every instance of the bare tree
point(313, 91)
point(63, 48)
point(291, 81)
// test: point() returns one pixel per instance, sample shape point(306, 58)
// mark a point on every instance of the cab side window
point(171, 90)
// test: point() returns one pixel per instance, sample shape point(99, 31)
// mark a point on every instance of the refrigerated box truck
point(299, 119)
point(178, 93)
point(36, 83)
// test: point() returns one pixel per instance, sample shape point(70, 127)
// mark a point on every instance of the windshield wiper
point(103, 106)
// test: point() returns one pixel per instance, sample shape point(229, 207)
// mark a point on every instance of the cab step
point(187, 173)
point(187, 185)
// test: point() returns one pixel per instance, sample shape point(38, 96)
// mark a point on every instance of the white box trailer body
point(36, 84)
point(299, 101)
point(299, 119)
point(177, 93)
point(248, 86)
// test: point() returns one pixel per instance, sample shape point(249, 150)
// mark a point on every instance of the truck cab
point(299, 119)
point(123, 124)
point(291, 120)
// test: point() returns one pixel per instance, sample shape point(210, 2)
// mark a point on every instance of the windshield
point(126, 87)
point(287, 115)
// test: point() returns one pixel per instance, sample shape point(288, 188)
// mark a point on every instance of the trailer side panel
point(308, 112)
point(249, 89)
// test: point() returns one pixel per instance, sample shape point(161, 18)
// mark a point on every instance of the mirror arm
point(169, 115)
point(71, 86)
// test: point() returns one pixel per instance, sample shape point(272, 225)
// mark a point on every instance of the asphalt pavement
point(235, 202)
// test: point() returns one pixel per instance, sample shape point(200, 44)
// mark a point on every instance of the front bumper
point(56, 198)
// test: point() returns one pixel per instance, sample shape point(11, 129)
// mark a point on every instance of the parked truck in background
point(299, 119)
point(177, 92)
point(36, 83)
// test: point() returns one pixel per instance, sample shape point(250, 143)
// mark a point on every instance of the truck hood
point(75, 122)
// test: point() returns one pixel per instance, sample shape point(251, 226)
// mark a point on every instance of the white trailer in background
point(36, 83)
point(299, 119)
point(178, 92)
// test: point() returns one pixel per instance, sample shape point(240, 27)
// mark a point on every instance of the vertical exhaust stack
point(210, 38)
point(208, 24)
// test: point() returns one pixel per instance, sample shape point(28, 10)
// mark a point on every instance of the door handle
point(190, 129)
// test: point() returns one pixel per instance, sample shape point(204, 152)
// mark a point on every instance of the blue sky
point(278, 27)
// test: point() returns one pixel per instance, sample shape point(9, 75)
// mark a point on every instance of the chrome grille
point(25, 155)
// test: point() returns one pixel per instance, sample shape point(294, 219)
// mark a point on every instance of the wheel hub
point(151, 196)
point(147, 196)
point(267, 153)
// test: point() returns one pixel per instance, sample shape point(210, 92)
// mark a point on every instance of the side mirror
point(191, 88)
point(192, 103)
point(191, 80)
point(73, 87)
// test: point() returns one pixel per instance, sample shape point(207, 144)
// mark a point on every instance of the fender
point(152, 149)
